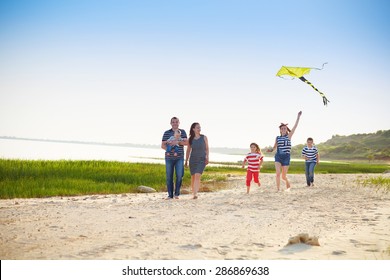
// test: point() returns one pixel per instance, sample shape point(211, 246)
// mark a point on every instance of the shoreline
point(350, 221)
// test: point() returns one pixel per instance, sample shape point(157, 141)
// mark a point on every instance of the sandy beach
point(350, 221)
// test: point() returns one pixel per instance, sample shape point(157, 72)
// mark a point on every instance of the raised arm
point(295, 126)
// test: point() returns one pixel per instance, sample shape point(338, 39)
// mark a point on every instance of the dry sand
point(351, 222)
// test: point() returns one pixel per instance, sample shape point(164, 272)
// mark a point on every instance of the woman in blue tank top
point(282, 156)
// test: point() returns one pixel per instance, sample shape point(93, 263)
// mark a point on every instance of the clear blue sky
point(117, 71)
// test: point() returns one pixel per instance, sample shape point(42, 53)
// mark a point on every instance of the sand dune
point(351, 222)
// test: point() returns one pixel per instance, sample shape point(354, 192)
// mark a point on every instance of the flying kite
point(298, 72)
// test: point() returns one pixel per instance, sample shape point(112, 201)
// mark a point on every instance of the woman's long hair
point(192, 133)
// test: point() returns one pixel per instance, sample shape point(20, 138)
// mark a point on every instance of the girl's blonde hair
point(257, 147)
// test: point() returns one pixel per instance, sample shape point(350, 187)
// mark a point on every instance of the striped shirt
point(284, 144)
point(310, 153)
point(180, 151)
point(253, 160)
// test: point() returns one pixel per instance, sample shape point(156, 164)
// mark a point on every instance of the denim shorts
point(283, 159)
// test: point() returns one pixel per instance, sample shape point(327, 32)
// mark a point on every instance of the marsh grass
point(25, 178)
point(298, 167)
point(379, 182)
point(43, 178)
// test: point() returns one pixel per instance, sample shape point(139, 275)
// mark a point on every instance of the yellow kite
point(298, 72)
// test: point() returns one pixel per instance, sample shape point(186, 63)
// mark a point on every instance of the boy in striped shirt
point(255, 160)
point(312, 157)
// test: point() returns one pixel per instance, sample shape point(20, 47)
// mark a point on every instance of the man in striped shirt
point(174, 163)
point(312, 157)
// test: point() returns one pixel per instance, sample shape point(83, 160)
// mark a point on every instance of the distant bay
point(41, 149)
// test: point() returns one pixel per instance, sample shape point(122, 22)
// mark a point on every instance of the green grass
point(41, 178)
point(379, 182)
point(24, 178)
point(342, 167)
point(298, 167)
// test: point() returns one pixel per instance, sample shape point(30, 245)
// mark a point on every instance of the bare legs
point(195, 184)
point(281, 170)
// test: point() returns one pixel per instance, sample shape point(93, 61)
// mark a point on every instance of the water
point(43, 150)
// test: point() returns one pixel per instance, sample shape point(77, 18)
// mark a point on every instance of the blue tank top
point(284, 144)
point(198, 149)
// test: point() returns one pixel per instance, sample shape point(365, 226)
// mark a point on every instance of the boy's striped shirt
point(310, 153)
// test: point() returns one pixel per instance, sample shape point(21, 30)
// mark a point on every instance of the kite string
point(323, 65)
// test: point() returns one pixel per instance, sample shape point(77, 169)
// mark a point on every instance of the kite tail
point(324, 99)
